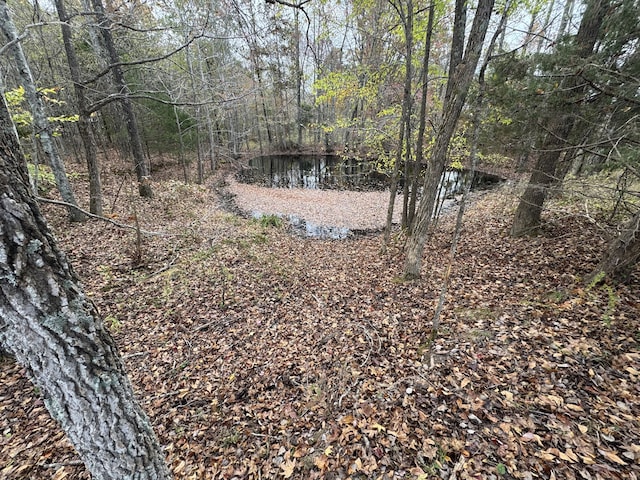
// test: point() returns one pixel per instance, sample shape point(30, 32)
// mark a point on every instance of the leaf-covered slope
point(259, 354)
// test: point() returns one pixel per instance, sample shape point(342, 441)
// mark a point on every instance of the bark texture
point(528, 216)
point(51, 328)
point(459, 86)
point(417, 167)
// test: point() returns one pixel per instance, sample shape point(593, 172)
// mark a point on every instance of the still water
point(314, 172)
point(335, 172)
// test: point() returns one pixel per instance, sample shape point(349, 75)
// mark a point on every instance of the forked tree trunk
point(41, 123)
point(53, 331)
point(458, 86)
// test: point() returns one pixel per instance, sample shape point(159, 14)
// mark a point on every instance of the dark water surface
point(335, 172)
point(314, 172)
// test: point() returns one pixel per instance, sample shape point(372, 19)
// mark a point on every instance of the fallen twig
point(136, 354)
point(105, 219)
point(70, 463)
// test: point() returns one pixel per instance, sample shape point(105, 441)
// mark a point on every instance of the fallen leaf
point(288, 466)
point(613, 457)
point(321, 462)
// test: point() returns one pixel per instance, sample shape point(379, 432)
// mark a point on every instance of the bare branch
point(104, 219)
point(119, 96)
point(288, 4)
point(143, 61)
point(25, 34)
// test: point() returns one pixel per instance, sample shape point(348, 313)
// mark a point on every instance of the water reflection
point(334, 172)
point(318, 231)
point(313, 172)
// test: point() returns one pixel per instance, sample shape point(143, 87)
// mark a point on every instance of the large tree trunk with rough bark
point(528, 215)
point(457, 43)
point(51, 328)
point(41, 123)
point(460, 82)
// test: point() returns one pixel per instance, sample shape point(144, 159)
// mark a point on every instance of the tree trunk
point(528, 214)
point(142, 172)
point(623, 252)
point(207, 110)
point(566, 15)
point(406, 18)
point(457, 42)
point(84, 118)
point(40, 121)
point(195, 99)
point(458, 84)
point(527, 218)
point(417, 169)
point(53, 331)
point(545, 26)
point(299, 77)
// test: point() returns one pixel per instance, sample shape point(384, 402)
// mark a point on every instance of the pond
point(325, 196)
point(336, 173)
point(313, 172)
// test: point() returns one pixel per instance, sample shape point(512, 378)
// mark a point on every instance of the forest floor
point(258, 353)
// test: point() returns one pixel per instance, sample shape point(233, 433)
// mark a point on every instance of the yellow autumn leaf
point(571, 454)
point(555, 400)
point(180, 467)
point(583, 428)
point(60, 474)
point(564, 456)
point(588, 459)
point(378, 427)
point(575, 408)
point(328, 451)
point(546, 455)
